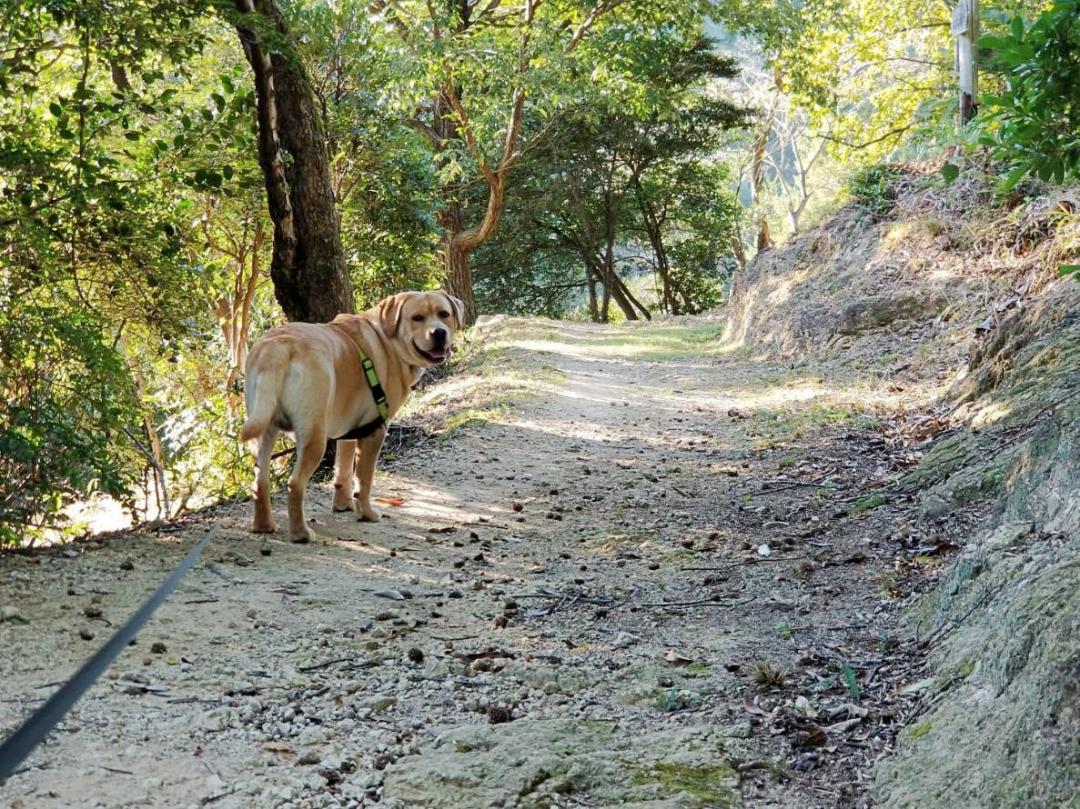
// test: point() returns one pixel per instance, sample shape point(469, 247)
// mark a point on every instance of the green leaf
point(1069, 269)
point(950, 172)
point(852, 682)
point(132, 135)
point(1017, 28)
point(1014, 176)
point(56, 108)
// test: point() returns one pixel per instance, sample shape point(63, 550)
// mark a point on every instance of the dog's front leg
point(343, 475)
point(365, 472)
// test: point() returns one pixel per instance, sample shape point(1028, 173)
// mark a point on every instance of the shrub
point(66, 398)
point(1033, 124)
point(871, 188)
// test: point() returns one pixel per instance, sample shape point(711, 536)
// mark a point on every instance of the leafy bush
point(871, 188)
point(66, 399)
point(1034, 122)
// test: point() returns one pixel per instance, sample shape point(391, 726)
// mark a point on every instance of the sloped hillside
point(953, 294)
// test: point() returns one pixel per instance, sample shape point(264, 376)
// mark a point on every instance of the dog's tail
point(262, 391)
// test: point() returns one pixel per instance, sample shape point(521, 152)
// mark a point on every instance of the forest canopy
point(175, 177)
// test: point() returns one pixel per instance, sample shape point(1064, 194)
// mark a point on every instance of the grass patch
point(708, 785)
point(767, 675)
point(920, 730)
point(871, 501)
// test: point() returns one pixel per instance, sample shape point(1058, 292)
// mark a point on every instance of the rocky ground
point(656, 575)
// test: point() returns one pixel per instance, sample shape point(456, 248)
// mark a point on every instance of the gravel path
point(646, 586)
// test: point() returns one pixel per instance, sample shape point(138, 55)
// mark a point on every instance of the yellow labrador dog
point(312, 379)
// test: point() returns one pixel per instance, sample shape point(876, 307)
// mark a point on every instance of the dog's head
point(423, 324)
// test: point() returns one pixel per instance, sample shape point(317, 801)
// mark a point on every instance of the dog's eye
point(417, 318)
point(444, 314)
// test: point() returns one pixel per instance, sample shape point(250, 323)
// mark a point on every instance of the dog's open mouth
point(436, 356)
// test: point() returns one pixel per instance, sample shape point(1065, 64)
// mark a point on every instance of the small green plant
point(871, 188)
point(851, 681)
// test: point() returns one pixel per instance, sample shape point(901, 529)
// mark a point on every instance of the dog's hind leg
point(262, 448)
point(309, 451)
point(365, 471)
point(343, 475)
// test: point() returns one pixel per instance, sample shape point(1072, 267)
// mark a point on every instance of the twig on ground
point(704, 602)
point(363, 663)
point(747, 563)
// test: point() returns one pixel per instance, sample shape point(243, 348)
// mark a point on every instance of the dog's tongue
point(438, 353)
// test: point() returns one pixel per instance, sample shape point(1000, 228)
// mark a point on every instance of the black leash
point(33, 731)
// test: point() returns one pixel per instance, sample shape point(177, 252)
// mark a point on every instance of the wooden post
point(965, 28)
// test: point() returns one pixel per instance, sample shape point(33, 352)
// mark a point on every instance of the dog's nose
point(439, 336)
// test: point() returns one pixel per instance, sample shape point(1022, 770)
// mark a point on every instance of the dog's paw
point(300, 539)
point(264, 528)
point(338, 509)
point(368, 515)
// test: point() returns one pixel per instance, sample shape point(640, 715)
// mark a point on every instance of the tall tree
point(479, 67)
point(311, 281)
point(631, 185)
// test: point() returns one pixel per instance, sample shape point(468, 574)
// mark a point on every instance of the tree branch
point(599, 10)
point(892, 133)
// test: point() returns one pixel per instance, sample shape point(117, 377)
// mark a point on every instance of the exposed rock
point(535, 761)
point(1007, 615)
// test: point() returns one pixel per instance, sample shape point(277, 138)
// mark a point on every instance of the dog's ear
point(390, 313)
point(458, 308)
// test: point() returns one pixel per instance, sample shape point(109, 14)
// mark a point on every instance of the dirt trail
point(532, 660)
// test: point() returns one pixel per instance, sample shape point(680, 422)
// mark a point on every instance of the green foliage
point(1033, 123)
point(851, 681)
point(871, 188)
point(867, 71)
point(66, 406)
point(121, 153)
point(634, 187)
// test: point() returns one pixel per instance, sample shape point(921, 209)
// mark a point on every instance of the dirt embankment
point(957, 289)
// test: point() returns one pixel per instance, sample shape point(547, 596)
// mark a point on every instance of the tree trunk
point(613, 290)
point(627, 302)
point(757, 172)
point(451, 123)
point(737, 246)
point(654, 230)
point(458, 280)
point(308, 269)
point(590, 283)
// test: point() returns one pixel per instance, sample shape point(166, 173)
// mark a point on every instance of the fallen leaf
point(391, 501)
point(843, 727)
point(276, 747)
